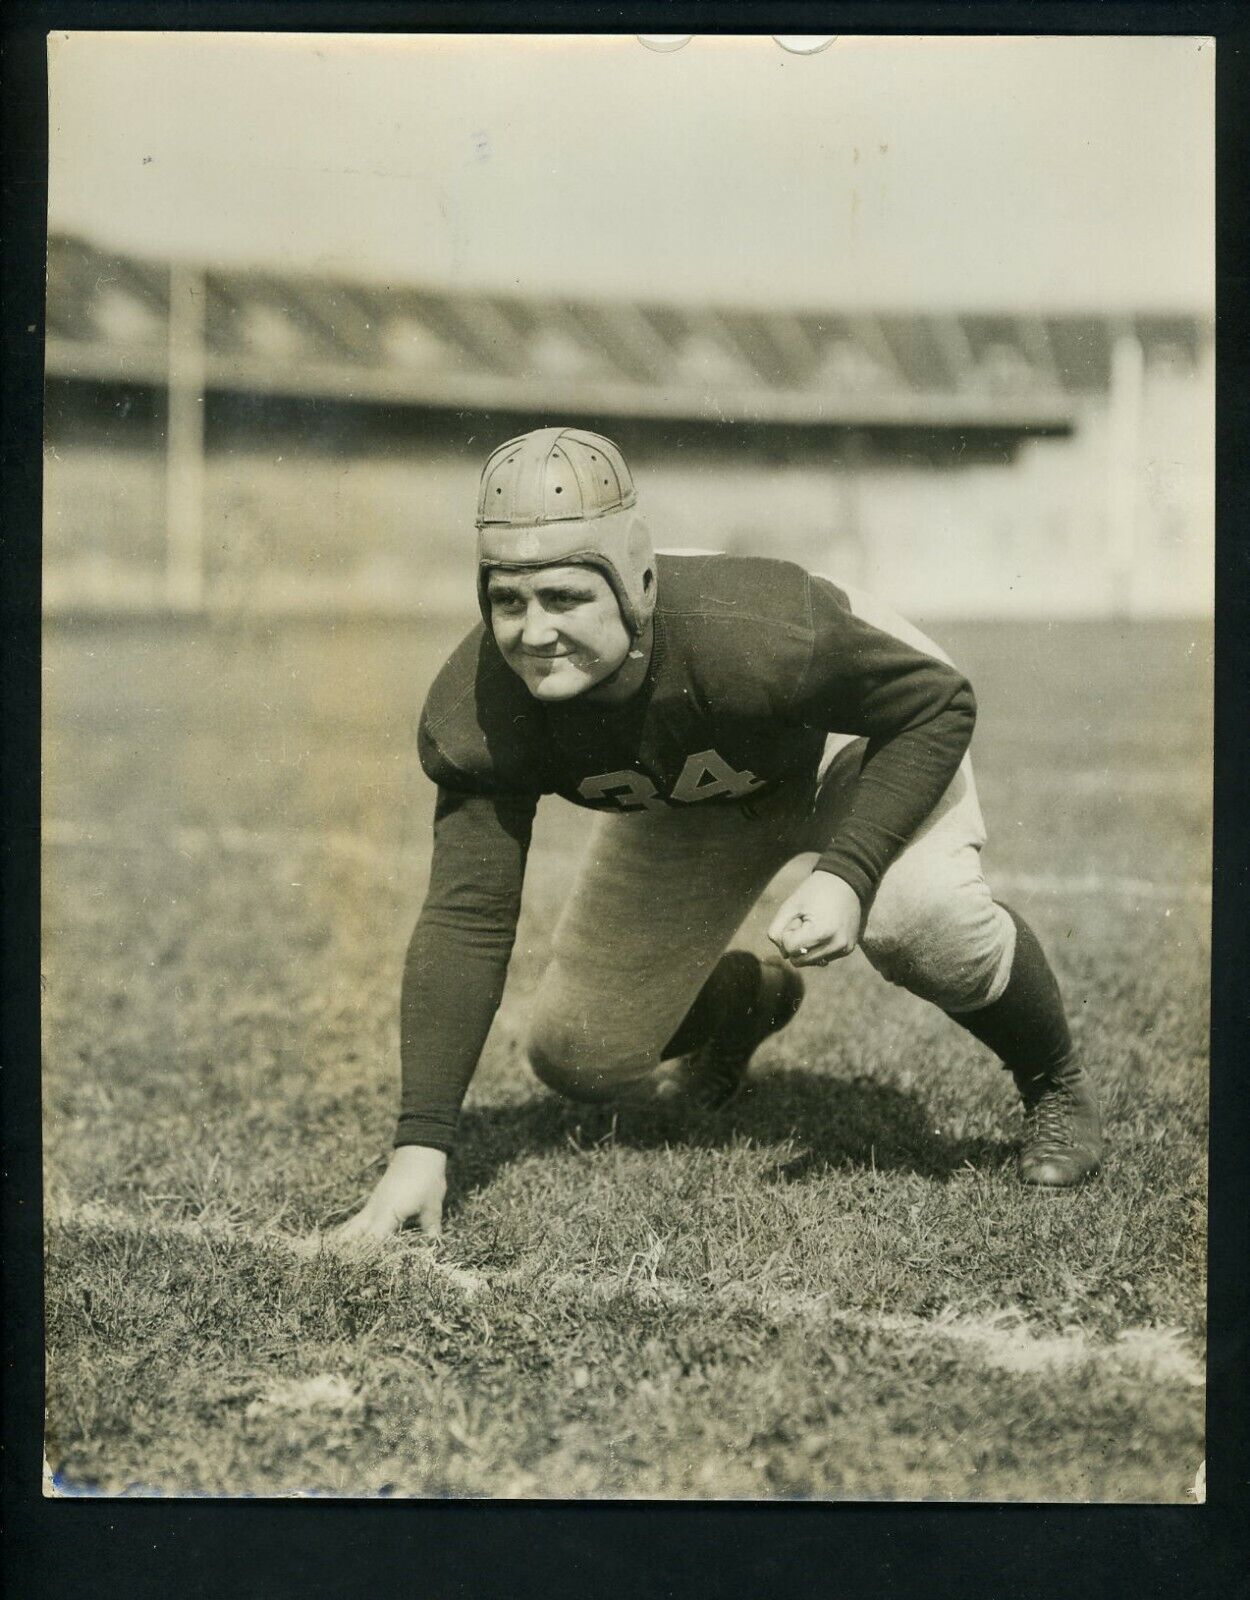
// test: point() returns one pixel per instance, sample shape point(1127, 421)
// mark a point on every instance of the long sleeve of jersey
point(918, 714)
point(458, 956)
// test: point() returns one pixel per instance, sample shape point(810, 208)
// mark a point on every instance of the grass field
point(833, 1289)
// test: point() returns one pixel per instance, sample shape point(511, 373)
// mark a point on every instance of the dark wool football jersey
point(754, 663)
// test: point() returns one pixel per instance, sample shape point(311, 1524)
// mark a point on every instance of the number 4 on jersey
point(707, 776)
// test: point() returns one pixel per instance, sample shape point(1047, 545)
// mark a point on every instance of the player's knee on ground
point(950, 944)
point(565, 1059)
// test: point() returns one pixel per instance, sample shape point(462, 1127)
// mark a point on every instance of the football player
point(724, 715)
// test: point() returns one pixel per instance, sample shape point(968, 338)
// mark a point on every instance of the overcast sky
point(891, 172)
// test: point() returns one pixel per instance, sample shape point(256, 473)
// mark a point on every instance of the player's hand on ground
point(819, 922)
point(413, 1185)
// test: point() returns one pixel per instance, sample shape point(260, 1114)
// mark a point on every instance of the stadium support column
point(184, 442)
point(1124, 419)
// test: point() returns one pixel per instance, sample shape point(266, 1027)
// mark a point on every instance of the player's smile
point(560, 629)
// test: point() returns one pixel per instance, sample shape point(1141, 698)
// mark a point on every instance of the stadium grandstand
point(225, 441)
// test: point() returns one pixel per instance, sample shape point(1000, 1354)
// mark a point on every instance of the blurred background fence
point(237, 442)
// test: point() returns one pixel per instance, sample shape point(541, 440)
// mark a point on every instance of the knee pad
point(953, 949)
point(565, 1061)
point(553, 1056)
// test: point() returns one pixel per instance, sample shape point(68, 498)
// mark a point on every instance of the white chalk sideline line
point(65, 834)
point(1002, 1341)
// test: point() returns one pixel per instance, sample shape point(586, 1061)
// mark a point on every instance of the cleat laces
point(1048, 1124)
point(1062, 1142)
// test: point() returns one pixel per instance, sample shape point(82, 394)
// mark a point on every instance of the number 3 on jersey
point(705, 776)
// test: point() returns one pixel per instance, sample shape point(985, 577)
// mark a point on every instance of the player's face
point(560, 629)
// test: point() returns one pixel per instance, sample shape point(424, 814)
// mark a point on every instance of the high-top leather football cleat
point(1062, 1143)
point(753, 998)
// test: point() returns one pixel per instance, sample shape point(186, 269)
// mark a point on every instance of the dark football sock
point(736, 973)
point(1026, 1027)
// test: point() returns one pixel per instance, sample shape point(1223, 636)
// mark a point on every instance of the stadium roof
point(108, 320)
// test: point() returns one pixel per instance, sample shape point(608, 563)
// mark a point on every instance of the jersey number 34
point(705, 776)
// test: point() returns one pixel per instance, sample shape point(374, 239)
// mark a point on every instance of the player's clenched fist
point(413, 1185)
point(819, 923)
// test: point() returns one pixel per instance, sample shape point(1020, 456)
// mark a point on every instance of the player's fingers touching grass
point(819, 922)
point(411, 1189)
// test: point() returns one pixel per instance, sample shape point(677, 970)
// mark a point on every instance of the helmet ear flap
point(639, 575)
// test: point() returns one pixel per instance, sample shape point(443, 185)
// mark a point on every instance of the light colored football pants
point(661, 894)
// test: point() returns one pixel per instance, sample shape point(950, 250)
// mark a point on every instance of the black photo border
point(436, 1550)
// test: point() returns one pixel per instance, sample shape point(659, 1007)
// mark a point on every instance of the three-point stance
point(724, 714)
